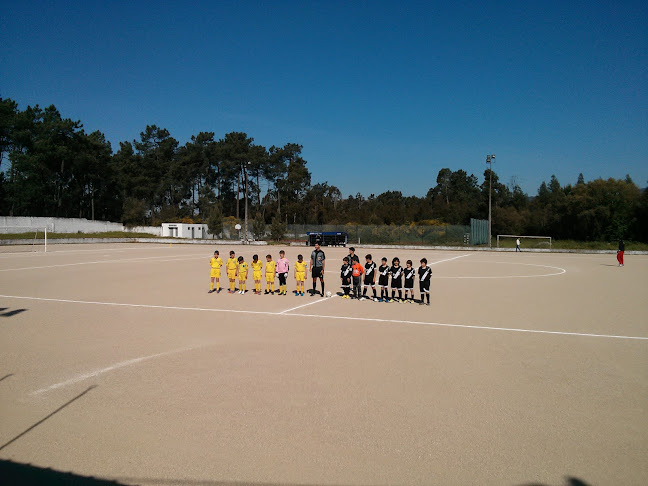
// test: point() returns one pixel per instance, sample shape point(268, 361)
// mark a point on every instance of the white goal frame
point(521, 236)
point(27, 230)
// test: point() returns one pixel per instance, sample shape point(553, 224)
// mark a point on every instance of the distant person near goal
point(317, 264)
point(517, 245)
point(620, 252)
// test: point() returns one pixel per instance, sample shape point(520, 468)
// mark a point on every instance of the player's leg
point(211, 285)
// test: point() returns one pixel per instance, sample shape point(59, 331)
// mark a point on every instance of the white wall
point(74, 225)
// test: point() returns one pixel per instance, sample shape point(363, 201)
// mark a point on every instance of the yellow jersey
point(242, 269)
point(257, 267)
point(270, 267)
point(300, 267)
point(231, 264)
point(216, 263)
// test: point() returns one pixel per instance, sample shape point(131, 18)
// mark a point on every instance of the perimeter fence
point(454, 235)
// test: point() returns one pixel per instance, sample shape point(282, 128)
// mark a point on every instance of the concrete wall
point(73, 225)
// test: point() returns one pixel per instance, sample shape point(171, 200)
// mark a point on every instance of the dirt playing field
point(527, 368)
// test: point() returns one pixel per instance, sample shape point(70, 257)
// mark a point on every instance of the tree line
point(52, 167)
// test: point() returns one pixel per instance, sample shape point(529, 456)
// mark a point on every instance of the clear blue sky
point(380, 94)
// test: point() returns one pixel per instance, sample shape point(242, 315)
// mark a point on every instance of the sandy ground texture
point(526, 369)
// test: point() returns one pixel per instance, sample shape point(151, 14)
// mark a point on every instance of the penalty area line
point(101, 371)
point(318, 316)
point(469, 326)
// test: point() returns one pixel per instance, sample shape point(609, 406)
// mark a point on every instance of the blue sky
point(382, 95)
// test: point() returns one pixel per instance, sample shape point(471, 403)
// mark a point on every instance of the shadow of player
point(10, 313)
point(569, 481)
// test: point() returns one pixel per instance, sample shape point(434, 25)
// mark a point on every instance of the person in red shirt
point(357, 272)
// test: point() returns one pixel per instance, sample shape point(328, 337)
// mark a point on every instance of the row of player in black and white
point(395, 277)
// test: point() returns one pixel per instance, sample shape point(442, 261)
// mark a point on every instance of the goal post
point(29, 238)
point(525, 241)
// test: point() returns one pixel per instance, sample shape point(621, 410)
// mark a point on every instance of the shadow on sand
point(10, 313)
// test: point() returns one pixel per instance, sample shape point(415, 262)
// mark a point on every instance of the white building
point(184, 230)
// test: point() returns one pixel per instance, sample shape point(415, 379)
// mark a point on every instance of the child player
point(357, 271)
point(242, 274)
point(425, 274)
point(369, 278)
point(345, 275)
point(353, 258)
point(410, 273)
point(300, 274)
point(270, 271)
point(383, 280)
point(216, 264)
point(231, 265)
point(396, 280)
point(283, 265)
point(257, 266)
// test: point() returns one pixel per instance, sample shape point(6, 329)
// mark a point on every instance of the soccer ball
point(328, 294)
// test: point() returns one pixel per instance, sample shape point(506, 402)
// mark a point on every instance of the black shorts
point(396, 283)
point(317, 272)
point(282, 278)
point(409, 284)
point(425, 286)
point(369, 282)
point(383, 280)
point(346, 281)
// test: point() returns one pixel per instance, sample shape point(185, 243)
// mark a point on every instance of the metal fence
point(387, 235)
point(478, 231)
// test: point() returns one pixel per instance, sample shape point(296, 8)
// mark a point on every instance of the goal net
point(23, 239)
point(509, 241)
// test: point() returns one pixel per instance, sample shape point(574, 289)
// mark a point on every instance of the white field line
point(318, 316)
point(191, 256)
point(559, 272)
point(317, 300)
point(116, 366)
point(448, 259)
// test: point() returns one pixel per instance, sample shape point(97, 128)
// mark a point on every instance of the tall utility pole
point(489, 160)
point(245, 235)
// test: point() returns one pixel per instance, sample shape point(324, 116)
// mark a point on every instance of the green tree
point(258, 227)
point(278, 228)
point(215, 221)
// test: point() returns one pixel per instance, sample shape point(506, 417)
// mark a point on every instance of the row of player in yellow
point(238, 268)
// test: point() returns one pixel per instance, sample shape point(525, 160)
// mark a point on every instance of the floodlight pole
point(245, 235)
point(489, 160)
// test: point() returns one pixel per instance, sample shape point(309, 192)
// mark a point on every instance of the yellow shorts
point(300, 276)
point(215, 273)
point(231, 274)
point(269, 277)
point(242, 276)
point(256, 276)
